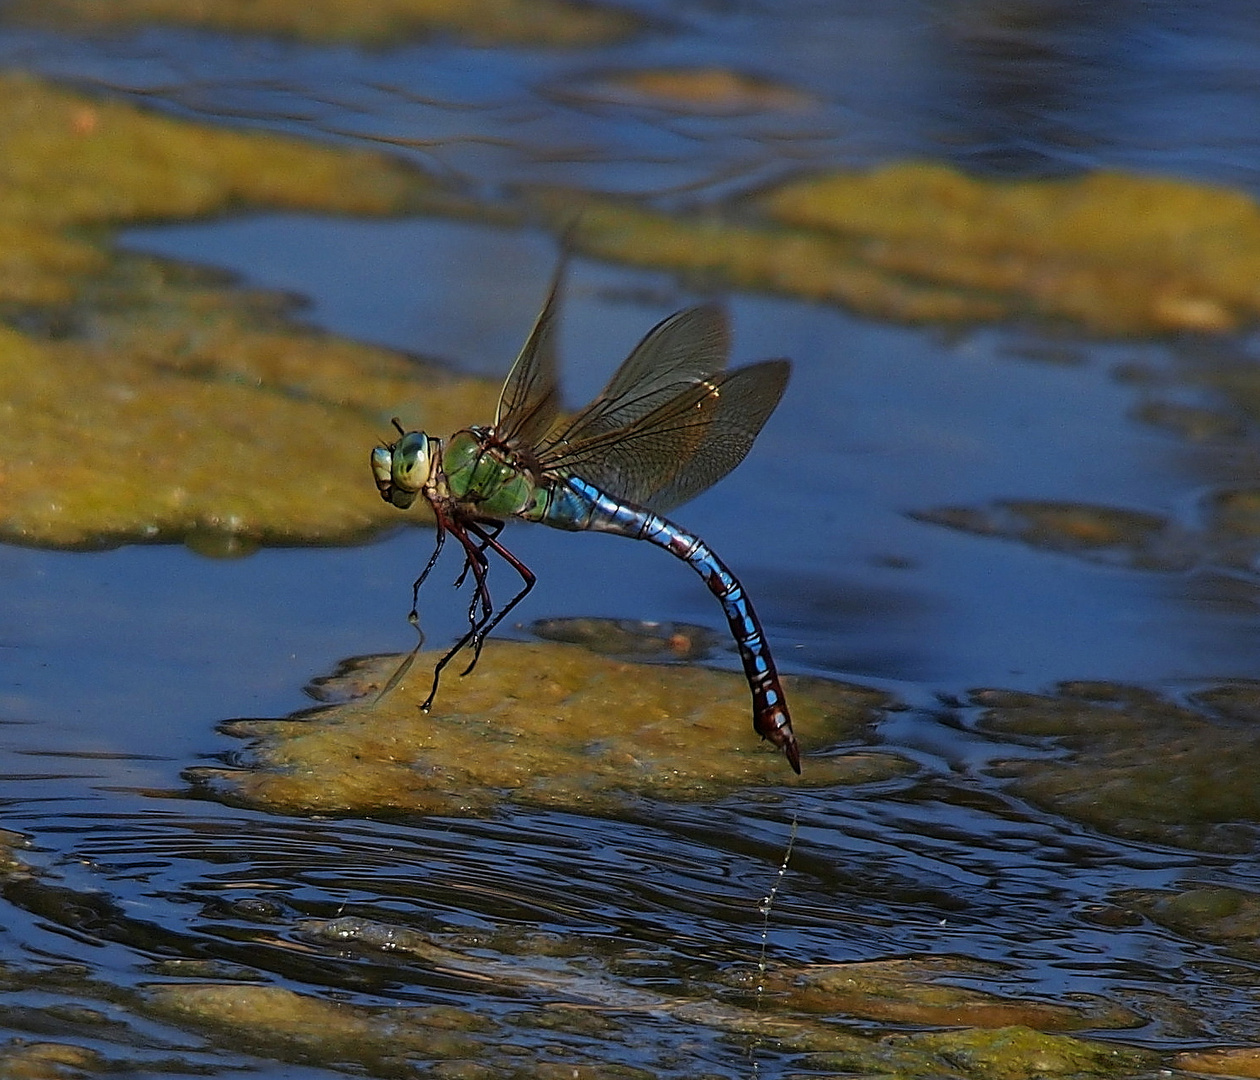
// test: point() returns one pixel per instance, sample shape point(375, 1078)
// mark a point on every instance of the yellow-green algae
point(1116, 253)
point(1114, 250)
point(913, 992)
point(1214, 913)
point(1225, 532)
point(712, 91)
point(178, 407)
point(716, 247)
point(539, 724)
point(20, 1060)
point(1234, 1061)
point(557, 23)
point(72, 160)
point(1100, 533)
point(1137, 765)
point(96, 450)
point(1020, 1053)
point(583, 995)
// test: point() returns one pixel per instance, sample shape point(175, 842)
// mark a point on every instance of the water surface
point(121, 663)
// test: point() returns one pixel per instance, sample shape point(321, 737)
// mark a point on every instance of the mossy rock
point(1136, 765)
point(1020, 1053)
point(1116, 253)
point(555, 23)
point(168, 405)
point(541, 725)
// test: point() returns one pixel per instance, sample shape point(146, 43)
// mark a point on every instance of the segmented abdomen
point(577, 505)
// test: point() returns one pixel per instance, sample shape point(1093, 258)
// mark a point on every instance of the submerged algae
point(21, 1060)
point(699, 91)
point(403, 998)
point(167, 405)
point(1224, 535)
point(1119, 252)
point(556, 23)
point(541, 725)
point(1234, 1061)
point(1212, 913)
point(1098, 533)
point(1020, 1053)
point(1138, 765)
point(406, 1040)
point(582, 994)
point(300, 1027)
point(1116, 253)
point(913, 992)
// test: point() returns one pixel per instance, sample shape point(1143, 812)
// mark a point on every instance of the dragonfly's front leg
point(414, 616)
point(415, 585)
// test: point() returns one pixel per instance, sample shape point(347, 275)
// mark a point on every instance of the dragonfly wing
point(683, 445)
point(689, 345)
point(678, 352)
point(530, 400)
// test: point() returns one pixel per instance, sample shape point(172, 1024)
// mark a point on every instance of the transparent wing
point(530, 400)
point(680, 351)
point(695, 433)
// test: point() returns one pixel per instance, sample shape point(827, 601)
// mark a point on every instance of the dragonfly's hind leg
point(481, 595)
point(496, 527)
point(490, 540)
point(476, 562)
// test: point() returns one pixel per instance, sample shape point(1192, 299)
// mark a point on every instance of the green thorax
point(487, 478)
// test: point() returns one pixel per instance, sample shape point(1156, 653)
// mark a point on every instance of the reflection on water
point(976, 522)
point(653, 925)
point(1023, 81)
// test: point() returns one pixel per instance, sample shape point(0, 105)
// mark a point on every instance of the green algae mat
point(584, 993)
point(538, 725)
point(1113, 253)
point(158, 404)
point(556, 23)
point(214, 419)
point(293, 1026)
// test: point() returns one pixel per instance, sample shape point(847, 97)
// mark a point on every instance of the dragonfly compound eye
point(403, 469)
point(412, 465)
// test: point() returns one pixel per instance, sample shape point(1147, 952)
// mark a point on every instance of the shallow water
point(120, 664)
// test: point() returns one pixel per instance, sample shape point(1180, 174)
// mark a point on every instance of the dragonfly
point(672, 421)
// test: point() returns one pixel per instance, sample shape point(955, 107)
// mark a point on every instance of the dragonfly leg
point(415, 586)
point(475, 561)
point(413, 616)
point(490, 540)
point(483, 594)
point(497, 527)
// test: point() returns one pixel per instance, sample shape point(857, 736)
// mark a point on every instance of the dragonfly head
point(403, 469)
